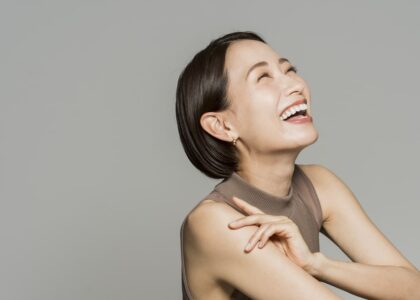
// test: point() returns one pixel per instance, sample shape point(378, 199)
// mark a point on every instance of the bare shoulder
point(207, 217)
point(348, 224)
point(263, 273)
point(197, 246)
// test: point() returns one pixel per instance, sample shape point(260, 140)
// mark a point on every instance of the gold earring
point(234, 142)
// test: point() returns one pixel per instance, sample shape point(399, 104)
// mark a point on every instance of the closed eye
point(263, 75)
point(291, 69)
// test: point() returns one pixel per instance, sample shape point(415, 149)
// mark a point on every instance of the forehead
point(242, 54)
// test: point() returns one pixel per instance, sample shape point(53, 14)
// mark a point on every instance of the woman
point(243, 115)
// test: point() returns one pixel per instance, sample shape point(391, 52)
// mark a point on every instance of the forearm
point(368, 281)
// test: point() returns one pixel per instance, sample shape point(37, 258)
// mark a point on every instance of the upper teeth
point(293, 110)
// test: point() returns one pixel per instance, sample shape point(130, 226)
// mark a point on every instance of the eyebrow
point(264, 63)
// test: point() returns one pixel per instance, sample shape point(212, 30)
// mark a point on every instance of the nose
point(292, 85)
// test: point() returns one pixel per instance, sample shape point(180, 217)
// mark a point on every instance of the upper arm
point(348, 225)
point(262, 273)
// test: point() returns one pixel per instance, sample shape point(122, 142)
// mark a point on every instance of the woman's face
point(258, 96)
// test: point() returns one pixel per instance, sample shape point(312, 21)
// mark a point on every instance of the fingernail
point(248, 246)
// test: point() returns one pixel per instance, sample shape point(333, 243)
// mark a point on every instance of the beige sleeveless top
point(301, 205)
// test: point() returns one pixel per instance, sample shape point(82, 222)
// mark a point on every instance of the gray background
point(94, 183)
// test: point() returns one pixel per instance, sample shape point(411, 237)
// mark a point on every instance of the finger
point(277, 229)
point(248, 208)
point(255, 219)
point(256, 237)
point(250, 220)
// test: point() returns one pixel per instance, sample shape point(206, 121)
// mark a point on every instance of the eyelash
point(292, 68)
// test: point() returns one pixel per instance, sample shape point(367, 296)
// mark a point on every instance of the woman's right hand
point(281, 230)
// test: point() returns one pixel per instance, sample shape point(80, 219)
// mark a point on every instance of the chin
point(306, 138)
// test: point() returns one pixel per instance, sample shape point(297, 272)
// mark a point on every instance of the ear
point(214, 124)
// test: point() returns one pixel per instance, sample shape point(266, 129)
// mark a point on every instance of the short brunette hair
point(202, 88)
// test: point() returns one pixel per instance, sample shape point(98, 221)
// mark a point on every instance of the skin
point(282, 231)
point(268, 147)
point(283, 267)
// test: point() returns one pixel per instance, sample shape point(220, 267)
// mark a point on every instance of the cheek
point(258, 123)
point(256, 109)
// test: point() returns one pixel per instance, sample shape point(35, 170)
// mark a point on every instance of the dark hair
point(201, 88)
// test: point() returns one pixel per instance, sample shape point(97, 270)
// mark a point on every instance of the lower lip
point(300, 120)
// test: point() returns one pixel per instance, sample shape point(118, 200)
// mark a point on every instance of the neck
point(273, 176)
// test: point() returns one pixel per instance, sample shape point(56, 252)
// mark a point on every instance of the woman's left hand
point(281, 230)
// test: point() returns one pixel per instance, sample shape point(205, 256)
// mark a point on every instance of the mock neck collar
point(237, 186)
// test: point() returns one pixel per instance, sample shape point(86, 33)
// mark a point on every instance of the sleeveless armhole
point(217, 196)
point(314, 202)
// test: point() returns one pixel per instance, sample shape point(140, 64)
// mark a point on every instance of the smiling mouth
point(295, 111)
point(298, 115)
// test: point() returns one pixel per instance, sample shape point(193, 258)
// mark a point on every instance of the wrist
point(315, 266)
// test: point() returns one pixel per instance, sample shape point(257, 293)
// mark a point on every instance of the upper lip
point(300, 101)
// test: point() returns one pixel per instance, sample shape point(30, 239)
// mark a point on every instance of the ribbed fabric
point(301, 205)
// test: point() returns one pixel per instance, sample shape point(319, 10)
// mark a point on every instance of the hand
point(282, 231)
